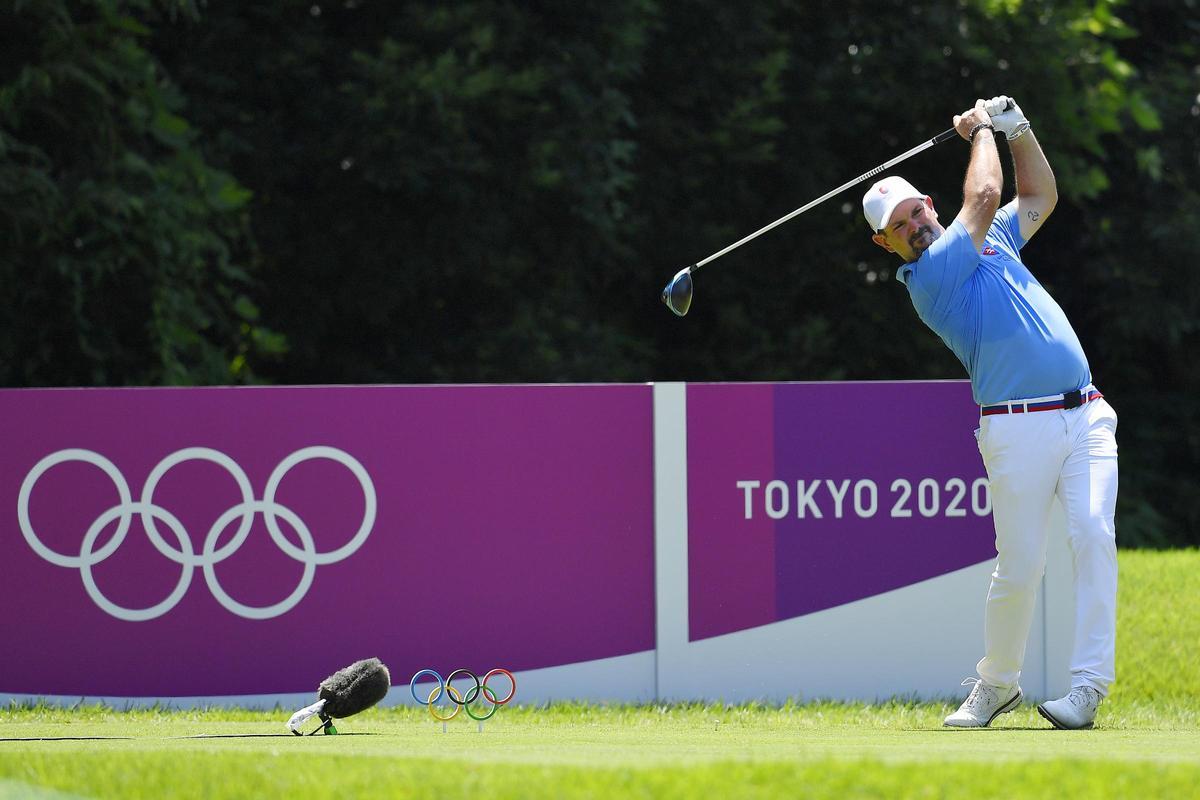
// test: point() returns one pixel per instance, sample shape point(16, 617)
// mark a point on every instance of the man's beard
point(915, 241)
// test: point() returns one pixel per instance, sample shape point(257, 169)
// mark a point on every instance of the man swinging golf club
point(1044, 429)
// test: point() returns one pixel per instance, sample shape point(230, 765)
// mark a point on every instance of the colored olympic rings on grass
point(511, 681)
point(470, 700)
point(453, 694)
point(412, 685)
point(472, 693)
point(490, 696)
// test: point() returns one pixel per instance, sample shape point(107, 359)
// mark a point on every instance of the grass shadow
point(948, 729)
point(260, 735)
point(63, 738)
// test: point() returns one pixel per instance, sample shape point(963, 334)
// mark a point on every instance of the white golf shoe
point(1074, 712)
point(983, 704)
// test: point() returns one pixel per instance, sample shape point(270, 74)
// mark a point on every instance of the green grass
point(1147, 743)
point(1158, 628)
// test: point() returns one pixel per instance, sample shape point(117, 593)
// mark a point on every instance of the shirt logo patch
point(989, 251)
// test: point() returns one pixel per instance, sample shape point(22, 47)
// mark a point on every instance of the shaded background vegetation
point(408, 192)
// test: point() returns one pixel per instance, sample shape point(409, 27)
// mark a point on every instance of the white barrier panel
point(830, 541)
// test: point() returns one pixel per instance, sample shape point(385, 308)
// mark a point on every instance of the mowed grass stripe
point(579, 735)
point(281, 773)
point(613, 745)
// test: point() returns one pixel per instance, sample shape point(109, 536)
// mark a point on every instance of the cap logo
point(883, 190)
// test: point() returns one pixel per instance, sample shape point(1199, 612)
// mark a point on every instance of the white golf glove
point(1006, 116)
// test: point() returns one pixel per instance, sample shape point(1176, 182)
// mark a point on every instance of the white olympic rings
point(184, 555)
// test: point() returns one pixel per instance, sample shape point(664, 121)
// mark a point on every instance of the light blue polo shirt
point(1014, 340)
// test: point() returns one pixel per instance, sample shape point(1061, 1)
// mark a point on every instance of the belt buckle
point(1073, 399)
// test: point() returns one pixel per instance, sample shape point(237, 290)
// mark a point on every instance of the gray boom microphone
point(344, 694)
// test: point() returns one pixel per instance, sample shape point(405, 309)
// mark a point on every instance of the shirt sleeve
point(935, 278)
point(1007, 227)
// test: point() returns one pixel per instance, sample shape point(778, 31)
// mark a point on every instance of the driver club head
point(678, 293)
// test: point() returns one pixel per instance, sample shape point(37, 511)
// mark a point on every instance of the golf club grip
point(945, 135)
point(950, 133)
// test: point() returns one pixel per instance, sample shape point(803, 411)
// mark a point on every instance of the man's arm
point(984, 180)
point(1037, 192)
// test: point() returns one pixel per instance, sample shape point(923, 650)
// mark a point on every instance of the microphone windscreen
point(355, 688)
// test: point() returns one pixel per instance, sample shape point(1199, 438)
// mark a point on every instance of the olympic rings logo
point(474, 697)
point(184, 554)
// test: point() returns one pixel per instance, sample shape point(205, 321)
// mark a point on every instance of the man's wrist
point(1018, 132)
point(980, 127)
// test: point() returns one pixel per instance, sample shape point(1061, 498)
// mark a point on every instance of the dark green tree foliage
point(1136, 254)
point(493, 191)
point(436, 185)
point(122, 248)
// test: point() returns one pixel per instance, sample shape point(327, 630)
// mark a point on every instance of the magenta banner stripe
point(731, 561)
point(903, 458)
point(804, 497)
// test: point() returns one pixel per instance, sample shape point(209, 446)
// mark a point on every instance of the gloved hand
point(1006, 116)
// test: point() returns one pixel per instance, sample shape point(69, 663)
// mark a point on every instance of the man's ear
point(929, 205)
point(880, 240)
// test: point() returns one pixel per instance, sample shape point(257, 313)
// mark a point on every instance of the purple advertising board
point(244, 541)
point(802, 497)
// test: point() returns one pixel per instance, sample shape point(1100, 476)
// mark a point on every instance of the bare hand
point(964, 122)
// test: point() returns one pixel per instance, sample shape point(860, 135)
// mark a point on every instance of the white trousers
point(1030, 459)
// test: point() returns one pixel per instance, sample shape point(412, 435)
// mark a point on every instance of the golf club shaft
point(941, 137)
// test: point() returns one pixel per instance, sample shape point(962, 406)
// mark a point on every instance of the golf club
point(678, 293)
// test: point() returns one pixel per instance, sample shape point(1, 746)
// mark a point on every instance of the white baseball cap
point(882, 198)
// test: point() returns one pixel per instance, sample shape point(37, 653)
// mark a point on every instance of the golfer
point(1044, 428)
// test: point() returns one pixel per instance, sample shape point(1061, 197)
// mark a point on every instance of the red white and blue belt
point(1050, 403)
